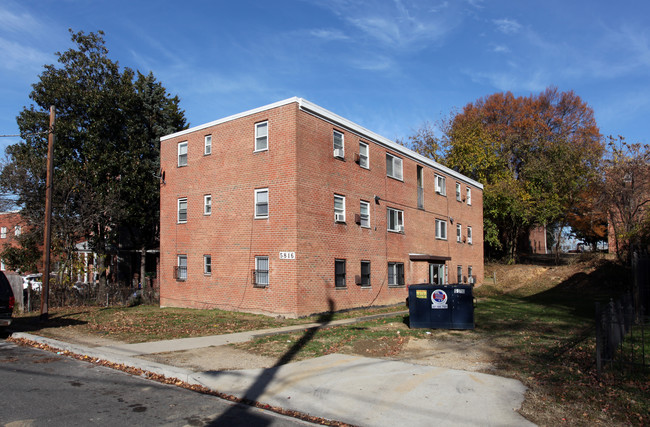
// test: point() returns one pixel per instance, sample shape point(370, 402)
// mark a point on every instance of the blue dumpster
point(441, 306)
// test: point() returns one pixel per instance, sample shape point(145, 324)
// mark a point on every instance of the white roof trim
point(229, 118)
point(321, 112)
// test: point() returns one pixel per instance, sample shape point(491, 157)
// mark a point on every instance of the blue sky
point(386, 65)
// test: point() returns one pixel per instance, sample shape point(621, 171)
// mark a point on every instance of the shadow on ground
point(259, 386)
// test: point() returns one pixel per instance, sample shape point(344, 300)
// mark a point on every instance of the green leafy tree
point(106, 152)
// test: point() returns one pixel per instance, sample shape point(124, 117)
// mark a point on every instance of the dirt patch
point(222, 358)
point(71, 335)
point(451, 354)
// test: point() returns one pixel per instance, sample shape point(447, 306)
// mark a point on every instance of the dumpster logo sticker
point(439, 299)
point(421, 293)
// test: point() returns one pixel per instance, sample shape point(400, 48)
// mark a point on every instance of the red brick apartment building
point(11, 226)
point(291, 209)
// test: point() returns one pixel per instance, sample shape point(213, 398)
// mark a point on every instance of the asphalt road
point(40, 388)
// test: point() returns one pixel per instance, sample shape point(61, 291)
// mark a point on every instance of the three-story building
point(291, 209)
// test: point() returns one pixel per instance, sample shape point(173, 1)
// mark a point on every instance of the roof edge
point(319, 111)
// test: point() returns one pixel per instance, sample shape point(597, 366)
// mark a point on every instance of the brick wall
point(302, 176)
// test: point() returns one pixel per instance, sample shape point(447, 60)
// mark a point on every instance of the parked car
point(33, 279)
point(7, 301)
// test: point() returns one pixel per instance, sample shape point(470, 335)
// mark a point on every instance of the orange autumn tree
point(535, 155)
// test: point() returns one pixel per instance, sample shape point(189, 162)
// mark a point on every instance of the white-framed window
point(339, 273)
point(207, 265)
point(18, 230)
point(182, 153)
point(364, 159)
point(207, 204)
point(393, 166)
point(262, 203)
point(339, 208)
point(181, 267)
point(364, 214)
point(395, 220)
point(395, 274)
point(459, 273)
point(182, 210)
point(458, 191)
point(459, 233)
point(469, 235)
point(441, 229)
point(3, 233)
point(261, 272)
point(261, 136)
point(468, 196)
point(441, 185)
point(365, 273)
point(470, 276)
point(338, 144)
point(207, 145)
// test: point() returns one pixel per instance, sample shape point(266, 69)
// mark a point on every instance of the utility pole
point(48, 218)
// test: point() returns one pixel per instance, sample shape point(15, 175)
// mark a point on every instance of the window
point(469, 235)
point(459, 233)
point(207, 146)
point(339, 149)
point(459, 273)
point(365, 273)
point(441, 229)
point(441, 185)
point(395, 220)
point(458, 191)
point(339, 273)
point(182, 211)
point(18, 230)
point(261, 273)
point(393, 166)
point(181, 267)
point(182, 154)
point(470, 277)
point(262, 136)
point(262, 203)
point(3, 232)
point(207, 264)
point(339, 208)
point(469, 196)
point(364, 210)
point(395, 274)
point(363, 155)
point(207, 204)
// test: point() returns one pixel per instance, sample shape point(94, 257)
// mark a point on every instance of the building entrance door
point(436, 274)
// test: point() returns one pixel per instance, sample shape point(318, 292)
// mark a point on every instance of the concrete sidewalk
point(356, 390)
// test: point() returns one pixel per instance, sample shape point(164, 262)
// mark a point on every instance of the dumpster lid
point(425, 257)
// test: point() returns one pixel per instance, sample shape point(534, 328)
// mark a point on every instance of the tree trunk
point(143, 270)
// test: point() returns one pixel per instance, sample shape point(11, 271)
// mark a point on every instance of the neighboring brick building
point(11, 226)
point(290, 209)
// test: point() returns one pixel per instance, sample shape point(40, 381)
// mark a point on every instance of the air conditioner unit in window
point(338, 152)
point(339, 217)
point(400, 228)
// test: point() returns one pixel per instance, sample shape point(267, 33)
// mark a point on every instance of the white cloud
point(497, 48)
point(17, 56)
point(507, 26)
point(513, 80)
point(400, 24)
point(328, 35)
point(18, 23)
